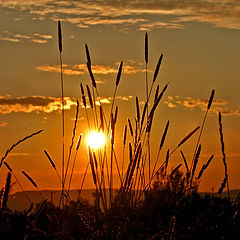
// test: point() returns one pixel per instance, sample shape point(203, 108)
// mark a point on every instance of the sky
point(199, 40)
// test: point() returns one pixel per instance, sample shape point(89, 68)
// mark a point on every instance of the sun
point(96, 139)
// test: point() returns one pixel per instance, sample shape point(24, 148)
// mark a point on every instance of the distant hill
point(18, 201)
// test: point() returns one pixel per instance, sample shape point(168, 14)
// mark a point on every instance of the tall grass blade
point(211, 99)
point(184, 139)
point(203, 123)
point(119, 73)
point(125, 135)
point(59, 37)
point(83, 96)
point(188, 136)
point(137, 110)
point(157, 68)
point(72, 142)
point(17, 143)
point(195, 161)
point(164, 136)
point(89, 96)
point(223, 154)
point(33, 183)
point(166, 161)
point(204, 167)
point(6, 191)
point(156, 94)
point(91, 75)
point(146, 48)
point(50, 159)
point(130, 127)
point(116, 114)
point(175, 170)
point(185, 161)
point(30, 179)
point(88, 55)
point(223, 185)
point(10, 169)
point(144, 113)
point(92, 165)
point(62, 96)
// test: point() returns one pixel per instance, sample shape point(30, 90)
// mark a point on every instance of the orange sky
point(200, 43)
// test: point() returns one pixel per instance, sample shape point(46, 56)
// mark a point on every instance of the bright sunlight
point(96, 139)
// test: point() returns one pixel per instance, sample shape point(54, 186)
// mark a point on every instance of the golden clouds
point(17, 37)
point(144, 15)
point(33, 104)
point(44, 104)
point(219, 105)
point(80, 69)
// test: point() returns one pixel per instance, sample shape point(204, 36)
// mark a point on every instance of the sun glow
point(96, 139)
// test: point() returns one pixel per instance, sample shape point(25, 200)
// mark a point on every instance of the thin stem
point(63, 130)
point(70, 180)
point(199, 137)
point(84, 176)
point(22, 188)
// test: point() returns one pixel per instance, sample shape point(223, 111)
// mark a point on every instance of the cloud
point(9, 39)
point(142, 14)
point(125, 98)
point(85, 22)
point(218, 105)
point(80, 69)
point(154, 25)
point(41, 41)
point(104, 101)
point(19, 154)
point(33, 104)
point(44, 36)
point(44, 104)
point(67, 70)
point(17, 37)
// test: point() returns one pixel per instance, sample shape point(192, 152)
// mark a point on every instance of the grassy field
point(151, 200)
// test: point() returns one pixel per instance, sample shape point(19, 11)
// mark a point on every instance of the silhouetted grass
point(147, 201)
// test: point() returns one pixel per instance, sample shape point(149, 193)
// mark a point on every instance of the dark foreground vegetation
point(165, 212)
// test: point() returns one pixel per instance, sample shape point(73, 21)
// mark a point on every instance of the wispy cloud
point(18, 154)
point(142, 14)
point(80, 69)
point(218, 105)
point(9, 39)
point(85, 22)
point(18, 38)
point(125, 98)
point(154, 25)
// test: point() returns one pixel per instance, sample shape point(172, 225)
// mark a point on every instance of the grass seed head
point(59, 37)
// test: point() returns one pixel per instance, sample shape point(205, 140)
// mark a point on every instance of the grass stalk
point(20, 185)
point(16, 144)
point(62, 97)
point(223, 154)
point(33, 183)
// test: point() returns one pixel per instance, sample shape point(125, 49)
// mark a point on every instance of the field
point(136, 195)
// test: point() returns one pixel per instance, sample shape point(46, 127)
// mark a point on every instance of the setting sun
point(96, 139)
